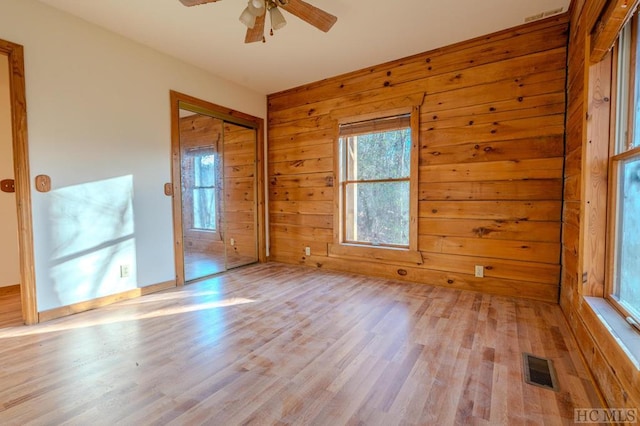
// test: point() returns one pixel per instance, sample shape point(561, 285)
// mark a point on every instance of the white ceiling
point(368, 32)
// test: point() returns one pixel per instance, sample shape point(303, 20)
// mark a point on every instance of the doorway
point(10, 308)
point(16, 183)
point(218, 187)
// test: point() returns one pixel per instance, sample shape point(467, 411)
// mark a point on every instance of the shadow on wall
point(93, 250)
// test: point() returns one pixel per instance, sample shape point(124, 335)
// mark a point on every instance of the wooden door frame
point(15, 54)
point(176, 176)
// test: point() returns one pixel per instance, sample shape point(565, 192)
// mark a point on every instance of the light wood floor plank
point(10, 307)
point(278, 344)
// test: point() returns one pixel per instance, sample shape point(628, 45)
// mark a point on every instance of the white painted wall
point(99, 125)
point(9, 255)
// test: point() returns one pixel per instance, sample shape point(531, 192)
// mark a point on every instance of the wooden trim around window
point(339, 248)
point(595, 169)
point(606, 29)
point(383, 254)
point(413, 182)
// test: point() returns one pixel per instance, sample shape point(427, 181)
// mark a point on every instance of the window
point(204, 191)
point(625, 178)
point(376, 175)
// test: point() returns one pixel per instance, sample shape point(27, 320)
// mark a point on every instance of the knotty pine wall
point(240, 208)
point(584, 218)
point(491, 161)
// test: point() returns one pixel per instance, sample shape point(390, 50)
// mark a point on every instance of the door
point(10, 308)
point(13, 62)
point(201, 155)
point(217, 218)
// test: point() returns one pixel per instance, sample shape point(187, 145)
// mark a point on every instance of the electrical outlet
point(125, 271)
point(307, 251)
point(479, 271)
point(232, 241)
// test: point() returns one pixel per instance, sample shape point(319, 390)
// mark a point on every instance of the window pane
point(204, 208)
point(385, 155)
point(377, 213)
point(628, 254)
point(204, 170)
point(636, 109)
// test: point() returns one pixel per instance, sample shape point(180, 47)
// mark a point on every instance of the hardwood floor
point(278, 344)
point(10, 307)
point(198, 265)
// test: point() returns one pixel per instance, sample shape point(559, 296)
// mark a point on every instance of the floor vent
point(539, 372)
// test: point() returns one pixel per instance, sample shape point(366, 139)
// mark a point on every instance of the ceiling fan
point(255, 13)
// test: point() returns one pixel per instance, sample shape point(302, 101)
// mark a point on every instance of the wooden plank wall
point(583, 245)
point(491, 161)
point(240, 207)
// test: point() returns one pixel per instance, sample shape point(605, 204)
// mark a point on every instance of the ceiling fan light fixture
point(255, 13)
point(257, 7)
point(277, 19)
point(248, 18)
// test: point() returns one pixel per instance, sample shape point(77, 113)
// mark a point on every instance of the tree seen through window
point(376, 180)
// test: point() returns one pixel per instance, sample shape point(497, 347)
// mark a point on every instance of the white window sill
point(626, 336)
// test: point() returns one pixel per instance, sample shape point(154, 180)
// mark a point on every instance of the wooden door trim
point(232, 116)
point(15, 54)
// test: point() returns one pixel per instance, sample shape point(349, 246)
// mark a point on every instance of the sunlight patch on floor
point(72, 323)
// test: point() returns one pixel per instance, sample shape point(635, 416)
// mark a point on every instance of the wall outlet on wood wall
point(479, 271)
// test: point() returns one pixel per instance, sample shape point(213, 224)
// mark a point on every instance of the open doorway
point(16, 196)
point(218, 188)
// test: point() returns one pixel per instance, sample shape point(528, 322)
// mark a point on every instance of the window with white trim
point(624, 208)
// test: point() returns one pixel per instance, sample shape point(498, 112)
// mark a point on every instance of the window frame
point(191, 187)
point(369, 127)
point(396, 254)
point(612, 283)
point(620, 149)
point(215, 187)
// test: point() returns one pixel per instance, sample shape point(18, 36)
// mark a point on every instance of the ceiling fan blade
point(196, 2)
point(257, 32)
point(317, 17)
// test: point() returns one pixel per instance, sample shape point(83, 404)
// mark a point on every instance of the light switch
point(7, 185)
point(43, 183)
